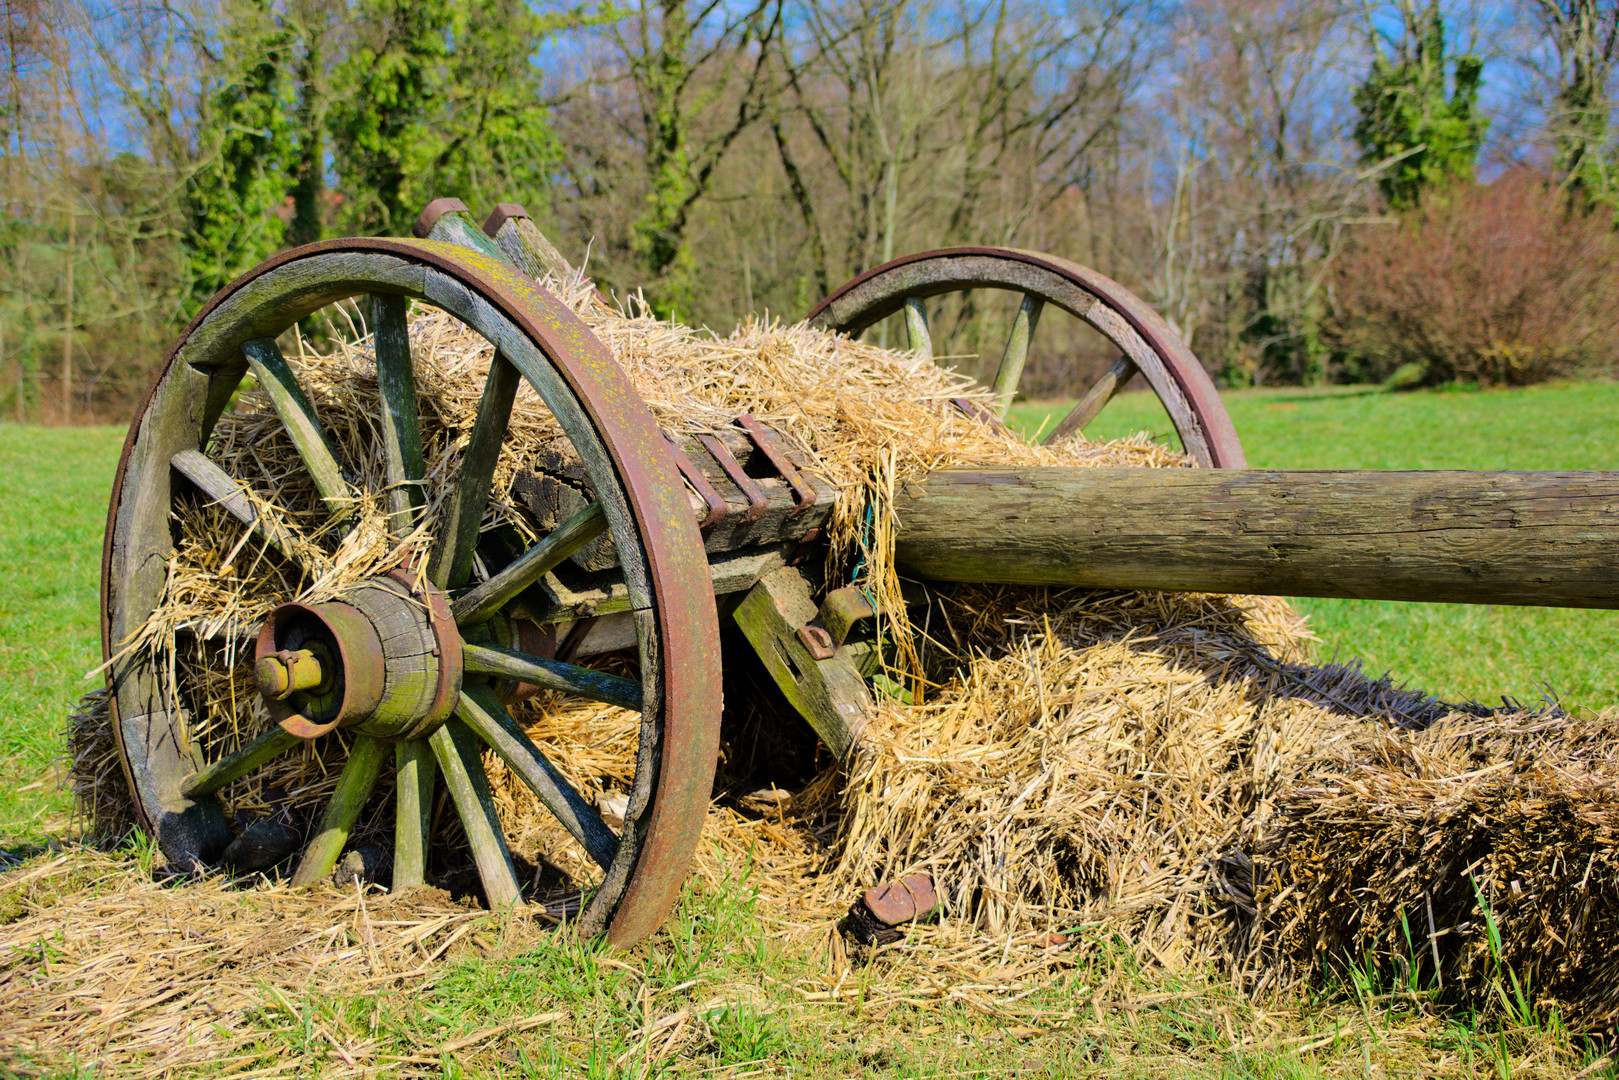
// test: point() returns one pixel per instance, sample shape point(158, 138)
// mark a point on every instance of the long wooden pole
point(1549, 539)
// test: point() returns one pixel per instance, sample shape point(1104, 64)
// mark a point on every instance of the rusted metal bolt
point(286, 672)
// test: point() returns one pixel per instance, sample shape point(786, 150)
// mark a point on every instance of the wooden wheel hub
point(384, 659)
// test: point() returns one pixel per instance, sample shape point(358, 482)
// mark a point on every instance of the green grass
point(54, 484)
point(1457, 652)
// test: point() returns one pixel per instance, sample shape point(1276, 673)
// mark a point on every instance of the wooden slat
point(1016, 353)
point(916, 327)
point(303, 426)
point(481, 710)
point(1549, 539)
point(414, 772)
point(270, 745)
point(228, 492)
point(552, 675)
point(486, 599)
point(401, 427)
point(354, 786)
point(451, 561)
point(1095, 400)
point(457, 751)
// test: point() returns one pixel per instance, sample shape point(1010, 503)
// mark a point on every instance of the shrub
point(1494, 284)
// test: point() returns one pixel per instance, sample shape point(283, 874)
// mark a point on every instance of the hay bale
point(1478, 858)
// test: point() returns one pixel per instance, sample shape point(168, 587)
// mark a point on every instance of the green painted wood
point(303, 426)
point(916, 327)
point(829, 694)
point(414, 772)
point(401, 425)
point(457, 227)
point(451, 561)
point(229, 494)
point(1016, 353)
point(457, 751)
point(480, 708)
point(354, 786)
point(551, 675)
point(1549, 539)
point(483, 601)
point(270, 745)
point(1095, 400)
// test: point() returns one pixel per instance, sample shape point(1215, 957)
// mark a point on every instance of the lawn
point(729, 988)
point(1457, 652)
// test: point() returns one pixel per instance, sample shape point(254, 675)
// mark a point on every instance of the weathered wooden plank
point(401, 427)
point(451, 562)
point(457, 751)
point(228, 492)
point(482, 712)
point(292, 405)
point(271, 744)
point(1016, 353)
point(354, 786)
point(414, 772)
point(486, 599)
point(829, 694)
point(916, 327)
point(551, 675)
point(1095, 400)
point(606, 594)
point(1549, 539)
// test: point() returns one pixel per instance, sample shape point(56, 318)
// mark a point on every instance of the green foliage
point(1428, 137)
point(245, 152)
point(440, 99)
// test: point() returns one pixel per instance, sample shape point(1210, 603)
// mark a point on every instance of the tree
point(1585, 34)
point(245, 153)
point(1412, 129)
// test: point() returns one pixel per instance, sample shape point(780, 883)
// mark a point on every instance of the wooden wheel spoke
point(457, 751)
point(354, 786)
point(230, 494)
point(481, 710)
point(1095, 399)
point(414, 772)
point(916, 327)
point(292, 405)
point(483, 601)
point(401, 427)
point(237, 764)
point(451, 561)
point(1016, 353)
point(552, 675)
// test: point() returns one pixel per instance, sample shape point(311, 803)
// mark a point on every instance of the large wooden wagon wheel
point(402, 669)
point(1148, 345)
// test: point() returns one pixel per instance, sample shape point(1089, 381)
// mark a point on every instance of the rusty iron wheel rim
point(1174, 372)
point(665, 566)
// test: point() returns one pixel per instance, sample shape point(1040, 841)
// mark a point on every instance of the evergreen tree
point(1407, 119)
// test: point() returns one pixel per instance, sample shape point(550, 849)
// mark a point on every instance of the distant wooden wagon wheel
point(403, 669)
point(1147, 344)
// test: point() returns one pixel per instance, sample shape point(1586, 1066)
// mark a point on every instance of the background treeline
point(1310, 190)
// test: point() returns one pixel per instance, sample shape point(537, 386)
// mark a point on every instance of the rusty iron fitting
point(287, 671)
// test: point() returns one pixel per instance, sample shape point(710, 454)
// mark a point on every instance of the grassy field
point(730, 989)
point(1457, 652)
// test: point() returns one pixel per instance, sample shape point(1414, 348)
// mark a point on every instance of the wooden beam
point(1548, 539)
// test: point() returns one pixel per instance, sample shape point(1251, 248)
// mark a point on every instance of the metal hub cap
point(384, 659)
